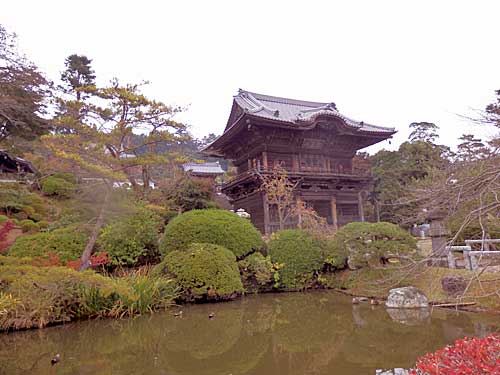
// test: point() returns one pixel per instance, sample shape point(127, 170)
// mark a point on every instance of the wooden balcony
point(355, 175)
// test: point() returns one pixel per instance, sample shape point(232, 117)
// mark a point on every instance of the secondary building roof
point(203, 168)
point(12, 164)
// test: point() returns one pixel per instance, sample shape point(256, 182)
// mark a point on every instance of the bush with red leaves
point(96, 260)
point(52, 260)
point(5, 228)
point(468, 356)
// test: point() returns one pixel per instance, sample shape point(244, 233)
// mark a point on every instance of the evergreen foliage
point(218, 227)
point(257, 271)
point(24, 94)
point(300, 254)
point(203, 271)
point(131, 240)
point(29, 226)
point(395, 171)
point(78, 75)
point(363, 242)
point(67, 243)
point(186, 194)
point(17, 201)
point(57, 186)
point(476, 227)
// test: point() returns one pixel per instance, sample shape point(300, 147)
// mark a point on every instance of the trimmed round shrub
point(60, 187)
point(132, 240)
point(299, 255)
point(218, 227)
point(29, 226)
point(363, 242)
point(67, 243)
point(203, 271)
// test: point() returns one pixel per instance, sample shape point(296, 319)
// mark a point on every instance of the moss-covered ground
point(376, 283)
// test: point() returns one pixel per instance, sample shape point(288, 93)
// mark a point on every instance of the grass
point(483, 288)
point(34, 297)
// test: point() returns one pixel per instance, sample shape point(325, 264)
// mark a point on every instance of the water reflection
point(314, 333)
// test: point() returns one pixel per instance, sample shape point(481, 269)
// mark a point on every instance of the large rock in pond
point(407, 297)
point(409, 317)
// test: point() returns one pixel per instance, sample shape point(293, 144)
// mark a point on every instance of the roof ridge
point(278, 99)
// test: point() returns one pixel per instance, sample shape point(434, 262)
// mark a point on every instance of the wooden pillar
point(267, 228)
point(264, 160)
point(295, 163)
point(333, 203)
point(299, 218)
point(361, 212)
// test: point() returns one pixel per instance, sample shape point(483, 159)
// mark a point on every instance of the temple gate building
point(312, 141)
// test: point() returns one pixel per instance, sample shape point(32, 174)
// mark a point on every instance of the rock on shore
point(407, 297)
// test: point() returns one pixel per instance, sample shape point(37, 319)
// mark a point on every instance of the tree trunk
point(145, 181)
point(85, 264)
point(376, 207)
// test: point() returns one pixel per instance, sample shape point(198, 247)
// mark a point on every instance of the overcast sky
point(385, 62)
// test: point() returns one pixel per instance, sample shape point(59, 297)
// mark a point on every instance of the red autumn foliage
point(477, 356)
point(4, 232)
point(96, 260)
point(52, 260)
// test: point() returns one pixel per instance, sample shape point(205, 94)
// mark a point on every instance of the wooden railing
point(298, 173)
point(470, 255)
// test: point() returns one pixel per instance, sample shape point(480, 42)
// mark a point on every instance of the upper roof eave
point(288, 113)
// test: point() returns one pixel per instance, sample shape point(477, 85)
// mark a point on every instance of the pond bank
point(264, 334)
point(41, 296)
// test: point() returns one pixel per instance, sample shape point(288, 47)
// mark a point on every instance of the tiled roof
point(205, 168)
point(14, 164)
point(297, 111)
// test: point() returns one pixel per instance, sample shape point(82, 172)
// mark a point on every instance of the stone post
point(438, 233)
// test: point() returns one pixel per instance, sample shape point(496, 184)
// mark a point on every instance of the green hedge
point(363, 242)
point(57, 186)
point(300, 254)
point(218, 227)
point(68, 243)
point(203, 271)
point(132, 239)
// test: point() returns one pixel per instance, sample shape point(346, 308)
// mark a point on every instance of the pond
point(294, 333)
